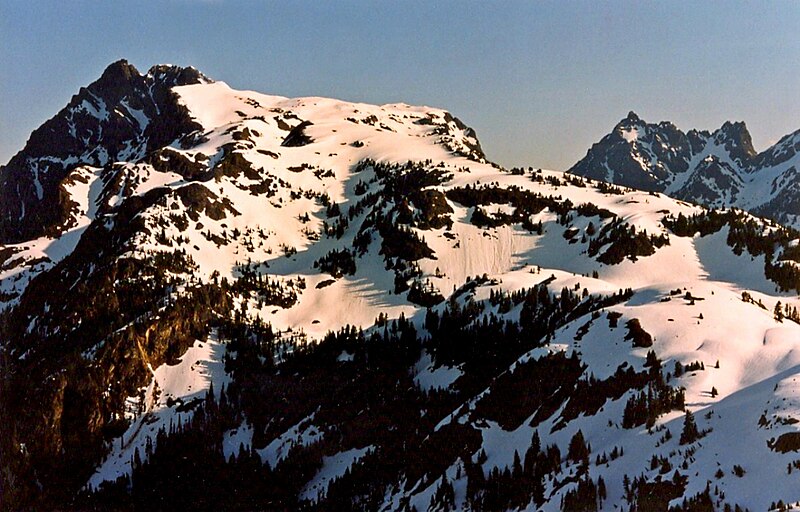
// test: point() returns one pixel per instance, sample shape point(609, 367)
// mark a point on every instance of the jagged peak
point(702, 134)
point(734, 125)
point(120, 69)
point(630, 121)
point(736, 138)
point(735, 128)
point(116, 79)
point(178, 75)
point(119, 115)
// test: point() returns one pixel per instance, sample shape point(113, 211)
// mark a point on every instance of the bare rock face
point(121, 115)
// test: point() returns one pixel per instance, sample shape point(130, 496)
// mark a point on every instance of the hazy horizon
point(539, 82)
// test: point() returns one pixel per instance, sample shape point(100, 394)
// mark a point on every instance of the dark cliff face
point(123, 114)
point(737, 142)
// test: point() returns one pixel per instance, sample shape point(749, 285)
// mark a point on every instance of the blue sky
point(539, 81)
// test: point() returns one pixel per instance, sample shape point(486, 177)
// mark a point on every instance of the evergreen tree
point(689, 434)
point(778, 311)
point(578, 451)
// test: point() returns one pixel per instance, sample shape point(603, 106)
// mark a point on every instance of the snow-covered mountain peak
point(715, 169)
point(122, 116)
point(386, 132)
point(643, 153)
point(629, 128)
point(259, 302)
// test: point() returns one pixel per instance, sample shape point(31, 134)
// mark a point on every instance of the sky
point(539, 81)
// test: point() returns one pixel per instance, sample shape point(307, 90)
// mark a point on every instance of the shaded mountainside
point(716, 169)
point(306, 303)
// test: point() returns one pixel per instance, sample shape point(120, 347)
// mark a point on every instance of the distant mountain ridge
point(718, 169)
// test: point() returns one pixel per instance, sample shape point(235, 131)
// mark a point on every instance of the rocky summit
point(719, 169)
point(121, 116)
point(223, 300)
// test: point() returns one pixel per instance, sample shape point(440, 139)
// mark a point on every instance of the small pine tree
point(516, 468)
point(690, 433)
point(601, 489)
point(578, 450)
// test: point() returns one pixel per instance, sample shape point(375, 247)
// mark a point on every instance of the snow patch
point(303, 433)
point(333, 467)
point(427, 377)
